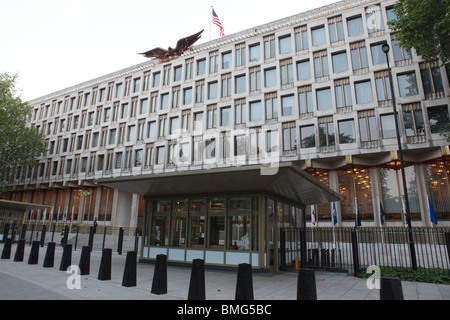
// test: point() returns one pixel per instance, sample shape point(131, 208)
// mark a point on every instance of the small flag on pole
point(313, 216)
point(433, 217)
point(381, 214)
point(216, 21)
point(335, 220)
point(358, 219)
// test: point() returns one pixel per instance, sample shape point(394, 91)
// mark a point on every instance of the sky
point(55, 44)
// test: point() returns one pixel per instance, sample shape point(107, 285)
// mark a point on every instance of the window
point(324, 99)
point(199, 91)
point(336, 29)
point(301, 38)
point(388, 126)
point(177, 72)
point(303, 70)
point(240, 55)
point(162, 126)
point(225, 116)
point(255, 111)
point(187, 96)
point(286, 72)
point(289, 137)
point(174, 125)
point(124, 111)
point(272, 142)
point(354, 26)
point(226, 60)
point(307, 136)
point(378, 56)
point(166, 75)
point(153, 102)
point(347, 131)
point(118, 163)
point(390, 14)
point(188, 73)
point(240, 112)
point(439, 119)
point(198, 121)
point(118, 90)
point(359, 55)
point(255, 79)
point(226, 85)
point(285, 44)
point(144, 106)
point(211, 117)
point(240, 145)
point(431, 78)
point(407, 84)
point(156, 79)
point(210, 149)
point(164, 101)
point(305, 100)
point(212, 90)
point(413, 119)
point(318, 36)
point(326, 132)
point(131, 136)
point(112, 136)
point(240, 84)
point(201, 67)
point(137, 85)
point(160, 155)
point(339, 62)
point(214, 62)
point(269, 47)
point(255, 52)
point(321, 64)
point(270, 77)
point(363, 91)
point(383, 86)
point(374, 19)
point(367, 126)
point(287, 105)
point(343, 93)
point(271, 105)
point(176, 97)
point(400, 53)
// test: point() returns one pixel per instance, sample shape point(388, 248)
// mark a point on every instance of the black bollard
point(23, 232)
point(85, 261)
point(120, 243)
point(91, 238)
point(49, 260)
point(66, 260)
point(43, 232)
point(244, 284)
point(159, 285)
point(197, 289)
point(306, 285)
point(6, 253)
point(104, 272)
point(20, 251)
point(391, 289)
point(5, 232)
point(130, 272)
point(34, 253)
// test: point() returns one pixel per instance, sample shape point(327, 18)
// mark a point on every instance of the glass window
point(177, 72)
point(303, 70)
point(271, 103)
point(324, 99)
point(414, 123)
point(343, 96)
point(255, 111)
point(354, 26)
point(287, 105)
point(270, 77)
point(383, 89)
point(239, 224)
point(179, 223)
point(407, 84)
point(378, 56)
point(160, 156)
point(285, 44)
point(226, 60)
point(201, 67)
point(439, 119)
point(375, 21)
point(187, 96)
point(269, 47)
point(212, 90)
point(326, 134)
point(363, 92)
point(286, 73)
point(346, 131)
point(255, 79)
point(400, 53)
point(225, 116)
point(321, 66)
point(164, 101)
point(336, 30)
point(359, 58)
point(197, 224)
point(301, 39)
point(368, 129)
point(340, 62)
point(305, 101)
point(240, 113)
point(240, 84)
point(289, 139)
point(307, 137)
point(255, 52)
point(318, 36)
point(159, 234)
point(240, 55)
point(431, 80)
point(388, 126)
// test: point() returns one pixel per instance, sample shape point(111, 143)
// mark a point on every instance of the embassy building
point(211, 153)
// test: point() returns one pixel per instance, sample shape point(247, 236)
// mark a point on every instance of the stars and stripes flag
point(216, 21)
point(313, 216)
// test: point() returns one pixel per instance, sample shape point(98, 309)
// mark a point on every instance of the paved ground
point(21, 281)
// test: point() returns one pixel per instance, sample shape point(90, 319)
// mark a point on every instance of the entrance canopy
point(15, 206)
point(289, 183)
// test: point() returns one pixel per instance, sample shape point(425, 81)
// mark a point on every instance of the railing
point(350, 250)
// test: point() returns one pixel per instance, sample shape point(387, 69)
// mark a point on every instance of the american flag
point(216, 21)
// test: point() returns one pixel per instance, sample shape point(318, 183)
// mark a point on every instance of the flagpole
point(210, 23)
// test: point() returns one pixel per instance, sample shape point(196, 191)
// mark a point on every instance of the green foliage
point(408, 274)
point(20, 145)
point(425, 26)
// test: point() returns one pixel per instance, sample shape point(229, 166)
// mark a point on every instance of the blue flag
point(433, 217)
point(381, 214)
point(358, 219)
point(335, 220)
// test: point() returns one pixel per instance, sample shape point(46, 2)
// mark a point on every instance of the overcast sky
point(55, 44)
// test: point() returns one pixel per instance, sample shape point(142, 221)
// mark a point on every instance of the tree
point(20, 144)
point(425, 26)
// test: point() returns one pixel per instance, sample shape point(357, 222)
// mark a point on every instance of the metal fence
point(350, 249)
point(118, 239)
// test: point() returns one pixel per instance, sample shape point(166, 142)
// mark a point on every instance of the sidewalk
point(21, 281)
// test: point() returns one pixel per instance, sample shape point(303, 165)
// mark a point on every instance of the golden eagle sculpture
point(169, 54)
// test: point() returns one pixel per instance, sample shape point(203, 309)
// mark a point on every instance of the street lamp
point(385, 47)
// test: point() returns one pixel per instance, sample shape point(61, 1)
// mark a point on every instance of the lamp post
point(385, 47)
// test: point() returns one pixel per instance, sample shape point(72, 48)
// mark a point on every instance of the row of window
point(254, 143)
point(373, 21)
